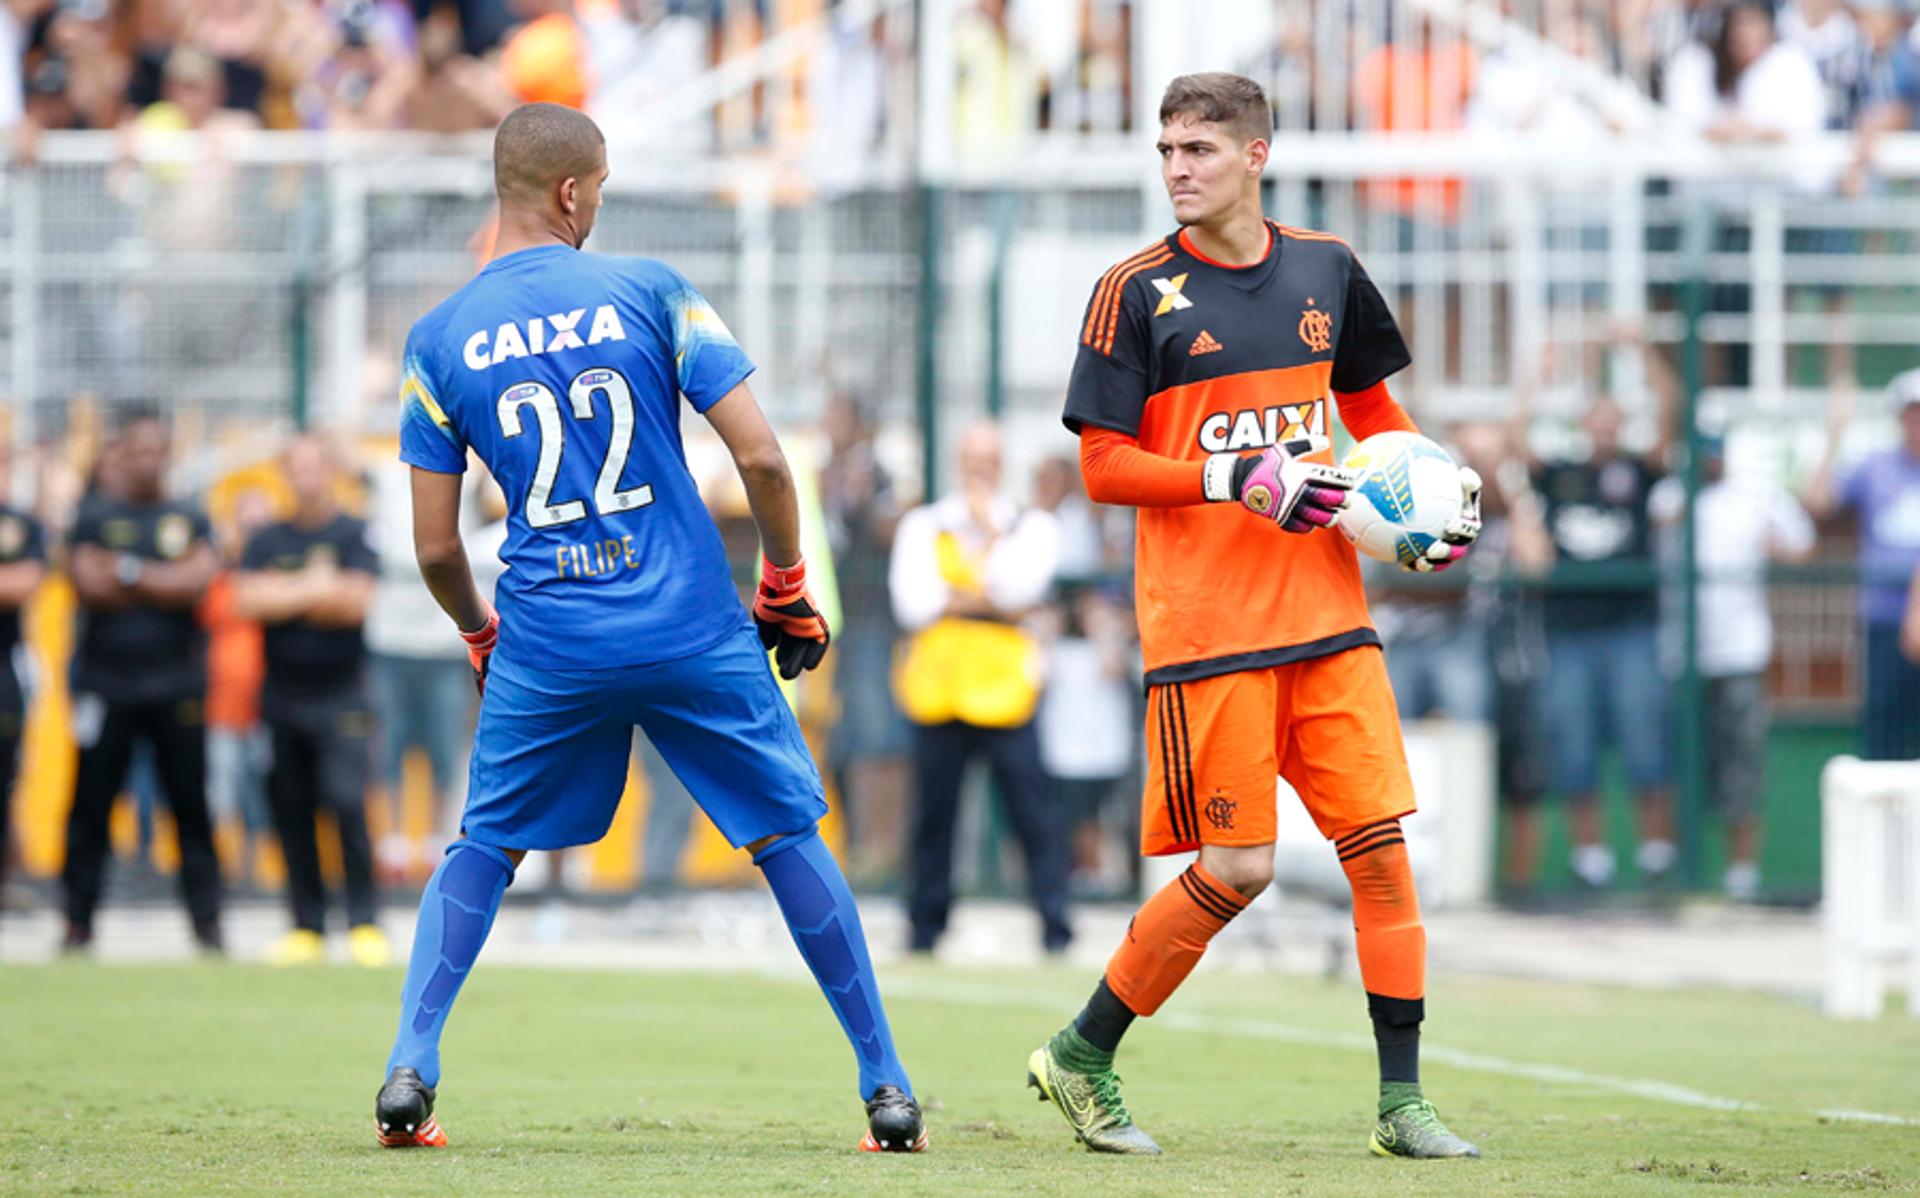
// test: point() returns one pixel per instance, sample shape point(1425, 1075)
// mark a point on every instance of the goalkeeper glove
point(790, 625)
point(1277, 484)
point(480, 646)
point(1461, 532)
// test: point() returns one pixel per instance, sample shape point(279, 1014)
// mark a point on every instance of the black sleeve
point(1370, 348)
point(258, 553)
point(202, 527)
point(34, 547)
point(86, 524)
point(356, 548)
point(1109, 385)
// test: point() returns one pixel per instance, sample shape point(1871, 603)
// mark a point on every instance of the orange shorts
point(1327, 725)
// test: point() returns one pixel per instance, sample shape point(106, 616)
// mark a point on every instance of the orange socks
point(1168, 936)
point(1386, 911)
point(1392, 944)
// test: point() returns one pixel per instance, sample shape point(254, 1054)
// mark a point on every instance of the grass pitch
point(223, 1079)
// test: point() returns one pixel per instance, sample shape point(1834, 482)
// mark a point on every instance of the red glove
point(480, 645)
point(790, 625)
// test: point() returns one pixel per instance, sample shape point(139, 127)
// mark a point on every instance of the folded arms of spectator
point(174, 585)
point(18, 581)
point(319, 593)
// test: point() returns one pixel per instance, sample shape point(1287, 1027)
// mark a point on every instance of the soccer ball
point(1407, 492)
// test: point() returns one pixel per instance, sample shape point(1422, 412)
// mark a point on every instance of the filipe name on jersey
point(542, 335)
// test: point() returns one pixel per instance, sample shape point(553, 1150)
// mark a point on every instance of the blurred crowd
point(993, 624)
point(1751, 70)
point(450, 67)
point(269, 671)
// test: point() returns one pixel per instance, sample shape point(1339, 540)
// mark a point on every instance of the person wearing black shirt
point(140, 564)
point(22, 565)
point(1601, 615)
point(308, 580)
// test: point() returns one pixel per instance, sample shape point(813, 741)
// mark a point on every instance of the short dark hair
point(538, 145)
point(133, 413)
point(1233, 101)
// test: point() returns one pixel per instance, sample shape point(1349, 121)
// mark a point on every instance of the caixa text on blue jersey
point(544, 335)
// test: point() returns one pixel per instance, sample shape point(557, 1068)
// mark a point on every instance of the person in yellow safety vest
point(966, 569)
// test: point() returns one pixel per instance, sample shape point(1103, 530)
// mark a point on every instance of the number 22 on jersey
point(608, 499)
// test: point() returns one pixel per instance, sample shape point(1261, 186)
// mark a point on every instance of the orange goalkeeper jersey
point(1193, 357)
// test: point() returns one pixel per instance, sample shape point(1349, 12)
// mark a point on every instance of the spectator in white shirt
point(1739, 526)
point(1749, 86)
point(967, 570)
point(1827, 32)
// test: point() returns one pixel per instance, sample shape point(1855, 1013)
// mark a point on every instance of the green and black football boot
point(1069, 1073)
point(1413, 1129)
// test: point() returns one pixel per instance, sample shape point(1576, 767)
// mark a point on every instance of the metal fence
point(279, 271)
point(268, 282)
point(265, 282)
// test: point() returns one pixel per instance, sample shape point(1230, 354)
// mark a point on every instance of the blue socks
point(813, 895)
point(456, 912)
point(460, 901)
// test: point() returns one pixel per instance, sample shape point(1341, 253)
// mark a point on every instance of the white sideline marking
point(1639, 1087)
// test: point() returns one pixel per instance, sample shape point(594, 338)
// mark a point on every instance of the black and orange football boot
point(894, 1123)
point(403, 1113)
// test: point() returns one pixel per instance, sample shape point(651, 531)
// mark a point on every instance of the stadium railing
point(265, 282)
point(272, 276)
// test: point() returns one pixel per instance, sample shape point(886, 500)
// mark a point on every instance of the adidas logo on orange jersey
point(1204, 344)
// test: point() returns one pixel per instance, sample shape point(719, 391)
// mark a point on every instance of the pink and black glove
point(790, 625)
point(1461, 532)
point(480, 646)
point(1278, 484)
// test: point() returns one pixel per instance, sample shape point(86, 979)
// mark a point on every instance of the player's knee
point(772, 846)
point(508, 859)
point(1248, 870)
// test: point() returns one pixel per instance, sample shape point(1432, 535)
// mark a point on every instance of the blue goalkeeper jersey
point(563, 370)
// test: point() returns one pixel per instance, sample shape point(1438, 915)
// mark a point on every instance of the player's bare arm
point(762, 464)
point(789, 621)
point(440, 552)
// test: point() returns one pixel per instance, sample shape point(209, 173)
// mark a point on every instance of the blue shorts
point(550, 754)
point(1604, 684)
